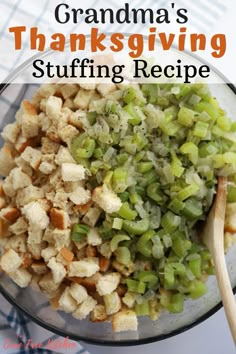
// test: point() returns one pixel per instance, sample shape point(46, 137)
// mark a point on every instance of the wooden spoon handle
point(226, 292)
point(217, 247)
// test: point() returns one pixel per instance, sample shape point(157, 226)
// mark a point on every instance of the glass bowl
point(35, 305)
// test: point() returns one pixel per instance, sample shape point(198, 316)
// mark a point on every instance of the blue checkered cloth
point(15, 328)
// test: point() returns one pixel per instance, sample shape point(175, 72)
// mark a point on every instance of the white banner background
point(205, 16)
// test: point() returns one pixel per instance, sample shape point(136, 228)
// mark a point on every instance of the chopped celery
point(202, 91)
point(176, 206)
point(92, 117)
point(176, 303)
point(231, 194)
point(208, 108)
point(152, 192)
point(210, 270)
point(144, 245)
point(158, 250)
point(123, 255)
point(167, 240)
point(139, 157)
point(170, 221)
point(186, 116)
point(191, 150)
point(183, 91)
point(144, 167)
point(188, 191)
point(136, 227)
point(124, 196)
point(136, 286)
point(162, 101)
point(117, 224)
point(142, 309)
point(133, 94)
point(172, 111)
point(195, 267)
point(98, 153)
point(181, 246)
point(148, 276)
point(224, 123)
point(176, 166)
point(106, 232)
point(135, 198)
point(99, 165)
point(122, 158)
point(115, 138)
point(129, 95)
point(119, 179)
point(170, 128)
point(205, 255)
point(148, 178)
point(233, 127)
point(140, 191)
point(169, 276)
point(230, 157)
point(79, 232)
point(116, 240)
point(108, 178)
point(105, 138)
point(200, 129)
point(140, 141)
point(111, 107)
point(126, 212)
point(150, 91)
point(82, 147)
point(192, 209)
point(218, 161)
point(134, 113)
point(197, 289)
point(179, 268)
point(207, 149)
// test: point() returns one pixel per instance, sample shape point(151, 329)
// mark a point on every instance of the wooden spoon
point(213, 237)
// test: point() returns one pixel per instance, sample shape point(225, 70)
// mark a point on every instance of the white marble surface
point(210, 337)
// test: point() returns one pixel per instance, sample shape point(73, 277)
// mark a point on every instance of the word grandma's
point(87, 69)
point(64, 14)
point(136, 44)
